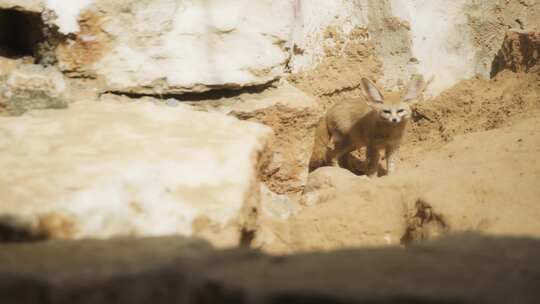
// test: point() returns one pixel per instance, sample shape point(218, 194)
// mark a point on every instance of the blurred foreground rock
point(155, 47)
point(460, 269)
point(130, 169)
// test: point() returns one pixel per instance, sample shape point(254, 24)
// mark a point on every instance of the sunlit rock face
point(176, 46)
point(170, 46)
point(115, 169)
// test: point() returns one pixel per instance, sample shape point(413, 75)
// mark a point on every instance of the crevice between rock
point(29, 34)
point(215, 93)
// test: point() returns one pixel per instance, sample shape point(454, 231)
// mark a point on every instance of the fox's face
point(393, 111)
point(393, 108)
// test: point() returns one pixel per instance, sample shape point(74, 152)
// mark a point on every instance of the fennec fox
point(375, 122)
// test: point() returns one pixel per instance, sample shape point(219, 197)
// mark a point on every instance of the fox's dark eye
point(401, 111)
point(387, 112)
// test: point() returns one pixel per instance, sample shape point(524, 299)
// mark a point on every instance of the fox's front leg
point(373, 161)
point(391, 157)
point(338, 146)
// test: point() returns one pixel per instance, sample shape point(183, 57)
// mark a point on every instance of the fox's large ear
point(370, 90)
point(414, 89)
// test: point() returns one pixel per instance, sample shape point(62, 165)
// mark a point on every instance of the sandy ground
point(468, 163)
point(483, 181)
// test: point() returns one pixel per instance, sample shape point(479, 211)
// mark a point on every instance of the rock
point(7, 65)
point(170, 46)
point(33, 87)
point(468, 35)
point(460, 269)
point(67, 14)
point(131, 169)
point(35, 6)
point(313, 19)
point(325, 183)
point(277, 206)
point(519, 53)
point(293, 116)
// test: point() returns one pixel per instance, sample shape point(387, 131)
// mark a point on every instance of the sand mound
point(468, 163)
point(471, 106)
point(485, 182)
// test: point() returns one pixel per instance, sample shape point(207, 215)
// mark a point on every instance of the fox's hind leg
point(338, 146)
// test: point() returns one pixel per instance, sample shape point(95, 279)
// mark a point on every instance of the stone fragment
point(106, 169)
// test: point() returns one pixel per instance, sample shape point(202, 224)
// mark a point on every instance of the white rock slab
point(175, 46)
point(441, 40)
point(116, 169)
point(313, 18)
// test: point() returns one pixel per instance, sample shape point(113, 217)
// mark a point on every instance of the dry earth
point(468, 163)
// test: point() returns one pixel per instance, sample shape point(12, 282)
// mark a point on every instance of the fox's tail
point(320, 147)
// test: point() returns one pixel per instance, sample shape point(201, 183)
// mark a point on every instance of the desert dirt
point(467, 163)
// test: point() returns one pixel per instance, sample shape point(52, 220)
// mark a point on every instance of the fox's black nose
point(394, 120)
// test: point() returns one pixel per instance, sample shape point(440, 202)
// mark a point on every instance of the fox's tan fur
point(376, 122)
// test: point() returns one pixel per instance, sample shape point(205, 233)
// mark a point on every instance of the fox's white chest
point(387, 135)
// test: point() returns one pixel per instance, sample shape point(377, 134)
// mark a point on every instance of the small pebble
point(172, 102)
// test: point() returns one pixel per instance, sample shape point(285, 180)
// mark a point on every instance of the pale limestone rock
point(313, 18)
point(30, 86)
point(7, 65)
point(67, 13)
point(456, 40)
point(115, 169)
point(172, 46)
point(453, 40)
point(277, 206)
point(175, 46)
point(293, 115)
point(459, 269)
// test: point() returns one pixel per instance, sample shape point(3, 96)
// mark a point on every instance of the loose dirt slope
point(471, 106)
point(469, 162)
point(485, 181)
